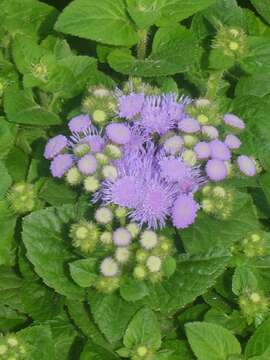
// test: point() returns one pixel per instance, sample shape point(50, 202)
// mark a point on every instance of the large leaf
point(259, 341)
point(7, 136)
point(170, 43)
point(211, 341)
point(104, 21)
point(263, 8)
point(21, 108)
point(93, 351)
point(112, 314)
point(7, 229)
point(45, 237)
point(258, 57)
point(83, 272)
point(193, 276)
point(144, 329)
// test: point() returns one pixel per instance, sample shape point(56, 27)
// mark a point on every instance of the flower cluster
point(254, 306)
point(254, 244)
point(153, 157)
point(12, 348)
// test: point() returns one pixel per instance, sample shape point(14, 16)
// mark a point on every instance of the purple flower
point(184, 211)
point(189, 125)
point(216, 170)
point(118, 133)
point(79, 123)
point(202, 150)
point(126, 191)
point(210, 131)
point(121, 237)
point(87, 165)
point(54, 146)
point(232, 141)
point(173, 145)
point(95, 142)
point(246, 165)
point(234, 121)
point(130, 105)
point(219, 150)
point(61, 164)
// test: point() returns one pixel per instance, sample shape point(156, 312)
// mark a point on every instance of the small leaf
point(83, 272)
point(211, 342)
point(133, 290)
point(259, 341)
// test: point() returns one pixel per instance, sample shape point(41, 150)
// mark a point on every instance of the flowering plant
point(134, 210)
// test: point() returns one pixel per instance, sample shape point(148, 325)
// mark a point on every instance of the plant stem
point(141, 47)
point(213, 84)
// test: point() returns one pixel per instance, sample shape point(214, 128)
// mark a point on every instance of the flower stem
point(213, 84)
point(141, 47)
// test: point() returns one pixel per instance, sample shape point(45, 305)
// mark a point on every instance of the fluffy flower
point(232, 141)
point(126, 191)
point(234, 121)
point(109, 267)
point(121, 237)
point(210, 131)
point(216, 169)
point(130, 105)
point(118, 133)
point(87, 164)
point(184, 211)
point(219, 150)
point(246, 165)
point(96, 142)
point(173, 145)
point(202, 150)
point(79, 123)
point(61, 164)
point(189, 125)
point(54, 146)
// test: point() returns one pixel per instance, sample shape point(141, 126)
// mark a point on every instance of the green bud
point(73, 176)
point(113, 151)
point(107, 285)
point(139, 272)
point(141, 255)
point(22, 198)
point(40, 71)
point(99, 116)
point(81, 149)
point(84, 235)
point(232, 41)
point(102, 159)
point(253, 304)
point(91, 184)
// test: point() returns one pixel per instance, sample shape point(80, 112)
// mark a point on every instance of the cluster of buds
point(150, 256)
point(40, 72)
point(232, 41)
point(11, 348)
point(218, 201)
point(142, 353)
point(21, 198)
point(254, 244)
point(254, 305)
point(100, 104)
point(137, 86)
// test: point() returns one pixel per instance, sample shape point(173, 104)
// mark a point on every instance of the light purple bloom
point(202, 150)
point(189, 125)
point(234, 121)
point(87, 165)
point(216, 170)
point(210, 131)
point(118, 133)
point(130, 105)
point(173, 145)
point(246, 165)
point(61, 164)
point(121, 237)
point(95, 142)
point(219, 150)
point(79, 123)
point(126, 191)
point(184, 211)
point(54, 146)
point(232, 141)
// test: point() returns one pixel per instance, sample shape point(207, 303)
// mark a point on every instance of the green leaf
point(112, 314)
point(6, 180)
point(211, 342)
point(55, 193)
point(21, 108)
point(169, 266)
point(243, 279)
point(180, 350)
point(193, 276)
point(7, 229)
point(263, 8)
point(144, 329)
point(10, 319)
point(208, 232)
point(234, 321)
point(17, 163)
point(105, 22)
point(265, 184)
point(93, 351)
point(133, 290)
point(40, 339)
point(144, 12)
point(255, 85)
point(258, 58)
point(48, 250)
point(167, 54)
point(83, 272)
point(29, 17)
point(259, 341)
point(7, 137)
point(10, 289)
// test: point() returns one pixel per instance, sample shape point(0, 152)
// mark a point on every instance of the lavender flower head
point(246, 165)
point(130, 105)
point(216, 170)
point(184, 211)
point(189, 125)
point(202, 150)
point(79, 123)
point(118, 133)
point(61, 164)
point(54, 146)
point(219, 150)
point(232, 141)
point(234, 121)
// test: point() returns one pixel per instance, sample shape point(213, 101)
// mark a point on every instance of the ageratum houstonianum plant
point(156, 163)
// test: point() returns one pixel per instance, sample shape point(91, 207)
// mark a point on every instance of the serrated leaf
point(144, 329)
point(211, 341)
point(258, 58)
point(166, 57)
point(255, 85)
point(55, 193)
point(47, 248)
point(10, 319)
point(263, 8)
point(17, 163)
point(21, 108)
point(259, 341)
point(83, 272)
point(7, 137)
point(6, 180)
point(243, 279)
point(133, 290)
point(93, 351)
point(112, 314)
point(104, 21)
point(7, 230)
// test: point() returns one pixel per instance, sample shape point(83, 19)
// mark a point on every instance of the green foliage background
point(44, 296)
